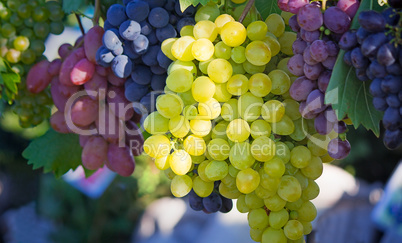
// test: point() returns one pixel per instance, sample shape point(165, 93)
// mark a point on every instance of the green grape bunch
point(24, 27)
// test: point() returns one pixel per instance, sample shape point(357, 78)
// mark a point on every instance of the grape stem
point(243, 15)
point(80, 24)
point(324, 4)
point(97, 14)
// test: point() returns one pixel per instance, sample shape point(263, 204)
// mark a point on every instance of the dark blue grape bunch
point(215, 202)
point(132, 45)
point(376, 54)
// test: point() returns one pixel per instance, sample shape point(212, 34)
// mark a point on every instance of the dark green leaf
point(72, 5)
point(266, 7)
point(3, 67)
point(350, 97)
point(55, 152)
point(10, 80)
point(186, 3)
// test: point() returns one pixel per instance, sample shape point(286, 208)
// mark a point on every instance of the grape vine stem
point(243, 15)
point(80, 23)
point(97, 14)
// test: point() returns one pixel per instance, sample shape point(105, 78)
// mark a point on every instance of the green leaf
point(54, 152)
point(73, 5)
point(186, 3)
point(266, 7)
point(349, 96)
point(10, 80)
point(3, 67)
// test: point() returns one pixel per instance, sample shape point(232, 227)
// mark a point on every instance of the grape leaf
point(55, 152)
point(266, 7)
point(73, 5)
point(186, 3)
point(348, 95)
point(8, 81)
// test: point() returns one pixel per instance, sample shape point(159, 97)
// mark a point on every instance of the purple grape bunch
point(132, 45)
point(315, 53)
point(373, 50)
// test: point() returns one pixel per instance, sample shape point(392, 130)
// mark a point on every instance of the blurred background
point(359, 202)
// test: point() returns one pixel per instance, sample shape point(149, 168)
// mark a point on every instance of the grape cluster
point(90, 102)
point(315, 52)
point(227, 127)
point(131, 44)
point(374, 50)
point(24, 28)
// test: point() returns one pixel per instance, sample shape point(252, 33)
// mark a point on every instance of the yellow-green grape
point(247, 180)
point(275, 24)
point(272, 111)
point(233, 33)
point(283, 65)
point(207, 12)
point(237, 67)
point(169, 105)
point(162, 163)
point(282, 151)
point(202, 188)
point(274, 167)
point(229, 110)
point(314, 169)
point(260, 84)
point(222, 50)
point(155, 123)
point(238, 130)
point(203, 89)
point(179, 126)
point(21, 43)
point(219, 70)
point(200, 128)
point(292, 109)
point(210, 109)
point(274, 203)
point(293, 230)
point(179, 80)
point(181, 185)
point(221, 20)
point(187, 98)
point(218, 149)
point(258, 53)
point(302, 179)
point(219, 131)
point(13, 56)
point(289, 188)
point(280, 82)
point(284, 127)
point(271, 65)
point(187, 30)
point(197, 159)
point(205, 29)
point(157, 146)
point(216, 170)
point(194, 145)
point(180, 162)
point(258, 219)
point(263, 193)
point(250, 106)
point(307, 228)
point(238, 54)
point(178, 64)
point(221, 93)
point(203, 66)
point(202, 49)
point(253, 201)
point(301, 130)
point(263, 148)
point(256, 235)
point(290, 169)
point(201, 170)
point(237, 84)
point(257, 30)
point(241, 204)
point(300, 156)
point(318, 144)
point(271, 235)
point(229, 180)
point(307, 212)
point(268, 183)
point(229, 192)
point(182, 48)
point(240, 156)
point(286, 16)
point(260, 128)
point(190, 112)
point(311, 191)
point(252, 69)
point(286, 40)
point(233, 171)
point(278, 219)
point(273, 45)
